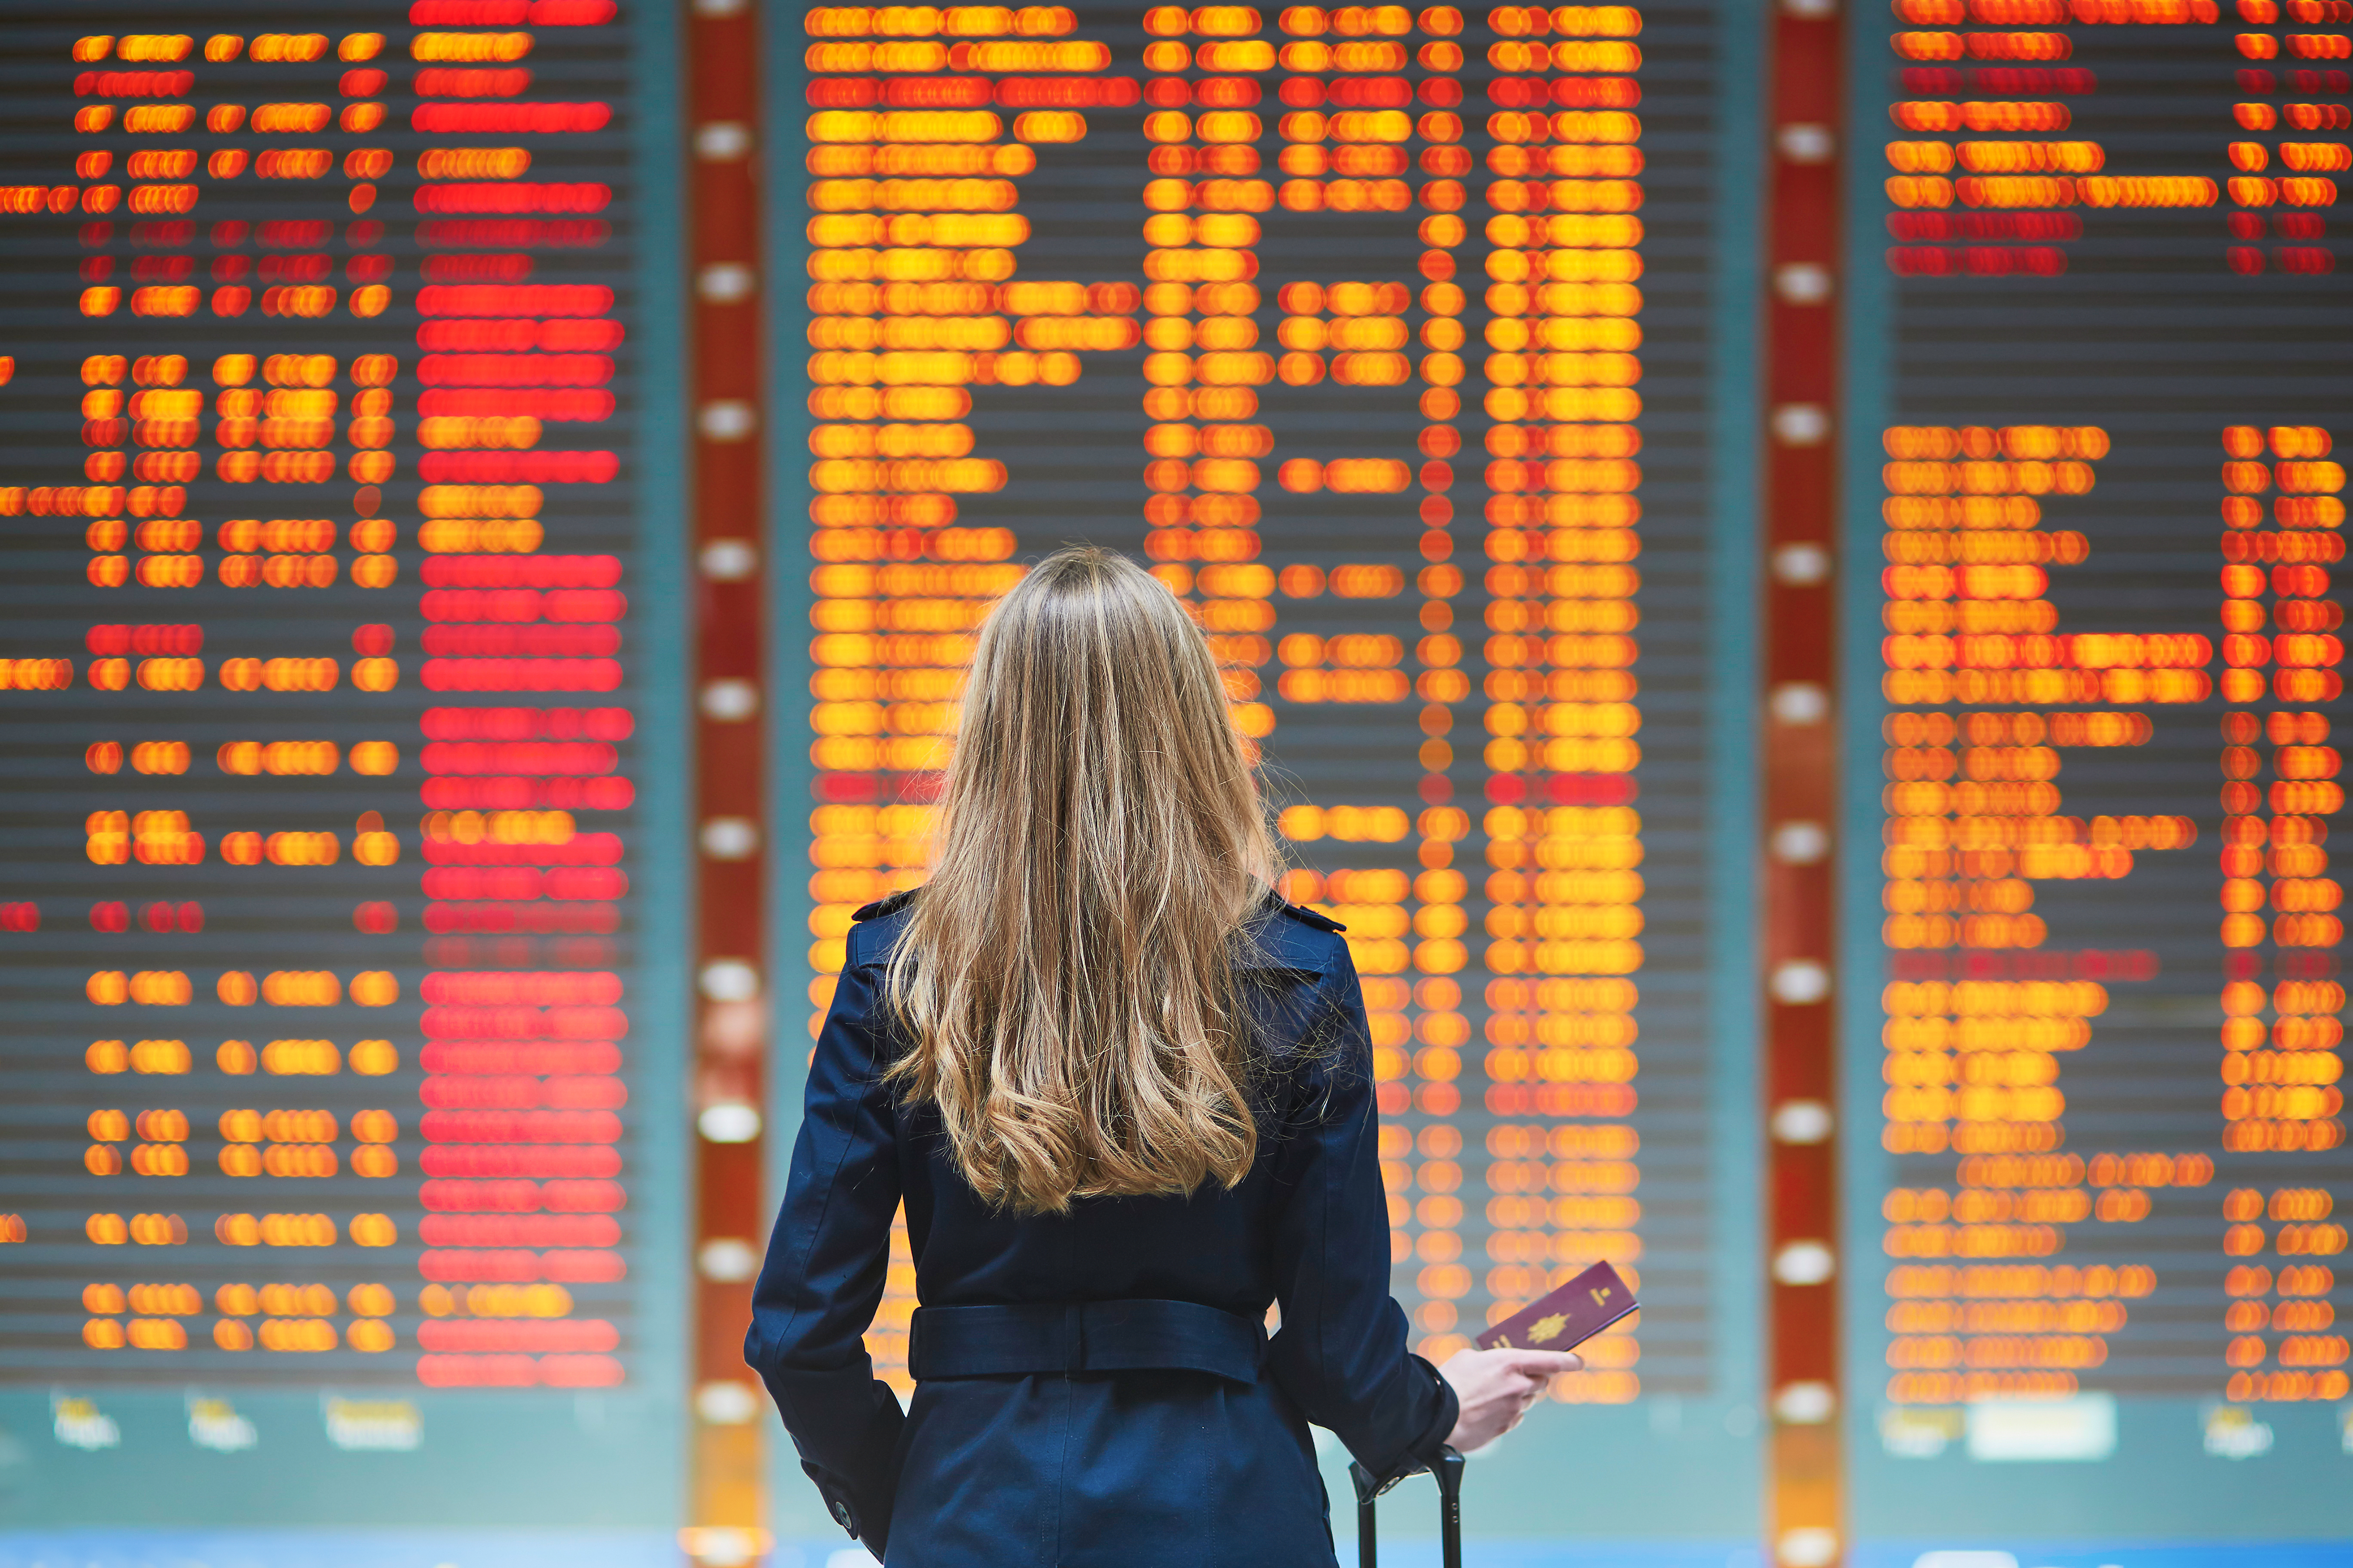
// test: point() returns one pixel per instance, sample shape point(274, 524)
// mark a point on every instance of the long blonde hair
point(1068, 978)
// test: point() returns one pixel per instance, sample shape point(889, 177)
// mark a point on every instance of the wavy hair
point(1067, 979)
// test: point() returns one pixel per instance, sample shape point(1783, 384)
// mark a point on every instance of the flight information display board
point(1382, 333)
point(1412, 346)
point(2094, 932)
point(1379, 332)
point(319, 469)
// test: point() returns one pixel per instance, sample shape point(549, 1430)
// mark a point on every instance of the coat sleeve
point(824, 1274)
point(1341, 1352)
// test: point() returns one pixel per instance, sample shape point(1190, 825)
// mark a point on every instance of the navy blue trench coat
point(1097, 1389)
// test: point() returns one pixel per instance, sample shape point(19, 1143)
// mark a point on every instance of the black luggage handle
point(1448, 1473)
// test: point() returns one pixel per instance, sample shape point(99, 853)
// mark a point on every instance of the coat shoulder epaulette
point(881, 907)
point(1310, 918)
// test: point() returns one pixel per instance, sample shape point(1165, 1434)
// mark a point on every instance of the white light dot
point(728, 1260)
point(723, 141)
point(730, 701)
point(727, 1403)
point(725, 282)
point(1802, 282)
point(730, 559)
point(1801, 424)
point(1800, 843)
point(729, 980)
point(1799, 982)
point(726, 419)
point(1804, 1403)
point(1812, 1547)
point(731, 838)
point(1805, 143)
point(1804, 1263)
point(1801, 1122)
point(1800, 702)
point(719, 7)
point(720, 1546)
point(1802, 565)
point(729, 1121)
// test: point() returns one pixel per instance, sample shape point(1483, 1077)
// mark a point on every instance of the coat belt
point(1075, 1337)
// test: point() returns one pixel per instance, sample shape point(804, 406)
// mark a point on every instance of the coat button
point(840, 1510)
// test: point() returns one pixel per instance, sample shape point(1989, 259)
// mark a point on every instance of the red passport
point(1569, 1316)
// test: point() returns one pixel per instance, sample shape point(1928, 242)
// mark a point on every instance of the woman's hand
point(1496, 1387)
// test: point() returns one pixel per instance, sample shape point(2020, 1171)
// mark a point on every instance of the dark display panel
point(2100, 1204)
point(319, 471)
point(1378, 332)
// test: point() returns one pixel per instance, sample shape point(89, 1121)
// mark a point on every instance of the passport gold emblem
point(1576, 1311)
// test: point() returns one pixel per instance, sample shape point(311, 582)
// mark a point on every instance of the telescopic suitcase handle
point(1448, 1473)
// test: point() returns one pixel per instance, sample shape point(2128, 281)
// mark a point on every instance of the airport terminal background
point(1779, 558)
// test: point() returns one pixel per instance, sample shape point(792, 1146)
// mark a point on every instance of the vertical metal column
point(727, 1503)
point(1805, 1505)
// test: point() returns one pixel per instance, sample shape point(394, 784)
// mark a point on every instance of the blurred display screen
point(2112, 1140)
point(1414, 347)
point(1379, 333)
point(1382, 333)
point(316, 473)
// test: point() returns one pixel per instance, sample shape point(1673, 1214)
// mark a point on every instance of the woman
point(1125, 1094)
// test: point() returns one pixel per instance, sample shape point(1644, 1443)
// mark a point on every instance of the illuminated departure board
point(2095, 994)
point(320, 468)
point(1441, 359)
point(1395, 337)
point(1377, 332)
